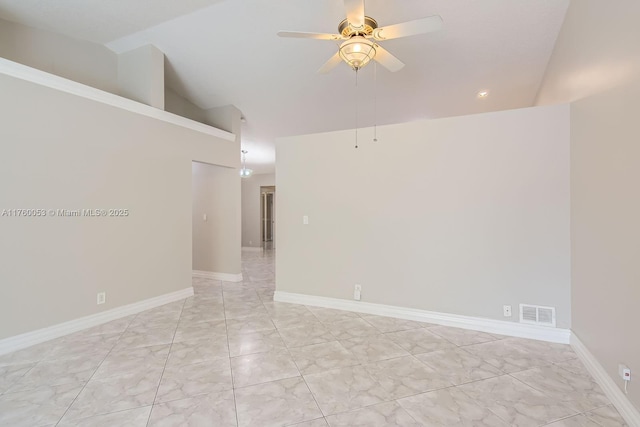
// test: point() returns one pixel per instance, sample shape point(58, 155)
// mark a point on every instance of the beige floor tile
point(459, 366)
point(373, 348)
point(201, 314)
point(276, 403)
point(449, 407)
point(550, 352)
point(262, 367)
point(103, 396)
point(31, 354)
point(607, 416)
point(142, 337)
point(329, 315)
point(130, 418)
point(417, 341)
point(506, 357)
point(405, 376)
point(577, 421)
point(314, 333)
point(40, 407)
point(391, 324)
point(257, 342)
point(322, 357)
point(341, 390)
point(351, 328)
point(319, 422)
point(247, 325)
point(575, 391)
point(516, 403)
point(56, 372)
point(129, 360)
point(188, 352)
point(388, 414)
point(292, 318)
point(12, 373)
point(461, 337)
point(214, 329)
point(78, 344)
point(216, 409)
point(180, 382)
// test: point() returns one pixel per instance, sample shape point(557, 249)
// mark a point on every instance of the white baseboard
point(28, 339)
point(252, 248)
point(629, 412)
point(500, 327)
point(225, 277)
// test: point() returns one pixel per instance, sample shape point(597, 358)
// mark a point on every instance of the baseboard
point(225, 277)
point(252, 248)
point(500, 327)
point(28, 339)
point(629, 412)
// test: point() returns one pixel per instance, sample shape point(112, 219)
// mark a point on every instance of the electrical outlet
point(624, 372)
point(506, 309)
point(356, 292)
point(102, 298)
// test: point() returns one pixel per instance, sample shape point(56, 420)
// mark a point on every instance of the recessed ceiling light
point(483, 94)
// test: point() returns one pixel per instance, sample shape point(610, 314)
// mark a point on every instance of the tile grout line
point(300, 372)
point(226, 327)
point(96, 370)
point(153, 403)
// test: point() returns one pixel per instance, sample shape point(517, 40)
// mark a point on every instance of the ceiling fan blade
point(410, 28)
point(330, 64)
point(387, 60)
point(355, 12)
point(317, 36)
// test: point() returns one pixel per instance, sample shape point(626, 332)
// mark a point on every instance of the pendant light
point(244, 172)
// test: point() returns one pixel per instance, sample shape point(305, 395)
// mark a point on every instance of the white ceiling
point(228, 53)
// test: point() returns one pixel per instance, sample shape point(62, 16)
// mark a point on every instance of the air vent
point(538, 315)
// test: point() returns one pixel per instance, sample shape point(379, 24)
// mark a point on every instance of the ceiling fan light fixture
point(245, 172)
point(357, 51)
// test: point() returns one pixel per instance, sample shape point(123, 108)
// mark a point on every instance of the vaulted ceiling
point(221, 52)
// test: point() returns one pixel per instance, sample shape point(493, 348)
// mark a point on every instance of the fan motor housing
point(347, 30)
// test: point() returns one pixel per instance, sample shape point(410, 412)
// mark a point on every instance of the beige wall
point(82, 61)
point(251, 207)
point(596, 64)
point(458, 215)
point(177, 104)
point(60, 151)
point(216, 240)
point(141, 75)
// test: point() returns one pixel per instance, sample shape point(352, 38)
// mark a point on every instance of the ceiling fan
point(359, 35)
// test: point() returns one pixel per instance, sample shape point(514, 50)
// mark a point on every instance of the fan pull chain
point(356, 97)
point(375, 101)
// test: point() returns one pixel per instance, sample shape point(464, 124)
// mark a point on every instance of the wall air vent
point(538, 315)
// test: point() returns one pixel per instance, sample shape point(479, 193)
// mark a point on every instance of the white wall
point(458, 215)
point(216, 240)
point(251, 220)
point(82, 61)
point(61, 151)
point(596, 64)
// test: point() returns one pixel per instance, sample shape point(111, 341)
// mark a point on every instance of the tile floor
point(230, 356)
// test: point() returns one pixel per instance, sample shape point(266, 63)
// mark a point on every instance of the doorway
point(268, 216)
